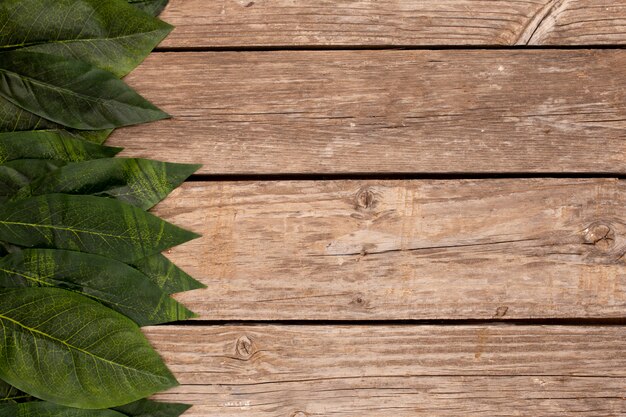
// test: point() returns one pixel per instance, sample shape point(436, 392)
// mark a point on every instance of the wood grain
point(297, 371)
point(354, 250)
point(345, 23)
point(386, 111)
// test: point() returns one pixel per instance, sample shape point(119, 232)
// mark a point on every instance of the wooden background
point(408, 207)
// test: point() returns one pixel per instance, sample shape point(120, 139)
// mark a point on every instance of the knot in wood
point(245, 347)
point(365, 199)
point(501, 311)
point(299, 414)
point(599, 234)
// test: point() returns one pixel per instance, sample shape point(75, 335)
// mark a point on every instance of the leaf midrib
point(53, 285)
point(70, 347)
point(62, 90)
point(70, 229)
point(65, 41)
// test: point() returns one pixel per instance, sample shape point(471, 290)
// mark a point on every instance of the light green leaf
point(71, 93)
point(55, 145)
point(149, 408)
point(11, 395)
point(153, 7)
point(166, 274)
point(65, 348)
point(47, 409)
point(108, 34)
point(138, 182)
point(112, 283)
point(89, 224)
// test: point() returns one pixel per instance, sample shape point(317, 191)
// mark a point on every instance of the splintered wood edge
point(284, 23)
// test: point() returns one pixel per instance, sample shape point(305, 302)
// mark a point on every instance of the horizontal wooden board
point(456, 249)
point(386, 111)
point(302, 371)
point(286, 23)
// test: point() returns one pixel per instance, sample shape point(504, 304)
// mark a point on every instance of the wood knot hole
point(245, 347)
point(599, 234)
point(501, 311)
point(365, 199)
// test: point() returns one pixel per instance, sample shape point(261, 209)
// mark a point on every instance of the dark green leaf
point(16, 119)
point(62, 347)
point(10, 394)
point(34, 168)
point(108, 34)
point(11, 181)
point(46, 409)
point(55, 145)
point(153, 7)
point(148, 408)
point(95, 136)
point(166, 274)
point(139, 182)
point(15, 175)
point(89, 224)
point(112, 283)
point(71, 93)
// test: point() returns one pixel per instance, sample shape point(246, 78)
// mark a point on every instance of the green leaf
point(166, 274)
point(61, 347)
point(138, 182)
point(47, 409)
point(108, 34)
point(95, 136)
point(16, 119)
point(11, 181)
point(153, 7)
point(89, 224)
point(15, 175)
point(112, 283)
point(149, 408)
point(54, 145)
point(10, 394)
point(71, 93)
point(32, 169)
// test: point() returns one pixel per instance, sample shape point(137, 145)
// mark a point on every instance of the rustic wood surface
point(456, 249)
point(386, 111)
point(287, 23)
point(488, 370)
point(278, 87)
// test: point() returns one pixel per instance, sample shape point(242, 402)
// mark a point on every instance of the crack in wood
point(545, 17)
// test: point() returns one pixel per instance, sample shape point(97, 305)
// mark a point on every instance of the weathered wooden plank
point(297, 371)
point(386, 111)
point(278, 23)
point(343, 250)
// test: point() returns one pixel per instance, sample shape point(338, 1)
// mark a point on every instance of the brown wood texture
point(288, 23)
point(482, 111)
point(354, 250)
point(301, 371)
